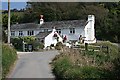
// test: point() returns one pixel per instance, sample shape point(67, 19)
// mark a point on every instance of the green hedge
point(18, 43)
point(9, 56)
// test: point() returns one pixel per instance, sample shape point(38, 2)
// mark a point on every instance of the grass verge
point(9, 56)
point(74, 64)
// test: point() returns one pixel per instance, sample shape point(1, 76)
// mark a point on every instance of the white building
point(50, 39)
point(72, 29)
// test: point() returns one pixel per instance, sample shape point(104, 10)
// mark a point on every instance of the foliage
point(59, 46)
point(17, 43)
point(106, 22)
point(4, 36)
point(65, 70)
point(88, 65)
point(15, 18)
point(9, 56)
point(52, 45)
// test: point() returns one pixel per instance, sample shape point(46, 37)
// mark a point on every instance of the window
point(12, 33)
point(58, 31)
point(45, 30)
point(20, 33)
point(30, 33)
point(72, 30)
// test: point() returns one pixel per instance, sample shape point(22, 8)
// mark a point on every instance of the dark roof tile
point(56, 24)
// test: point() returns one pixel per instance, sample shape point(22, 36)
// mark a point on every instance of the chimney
point(41, 19)
point(91, 18)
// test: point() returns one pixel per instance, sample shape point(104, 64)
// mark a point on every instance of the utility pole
point(9, 22)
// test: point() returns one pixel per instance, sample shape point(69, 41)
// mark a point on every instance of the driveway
point(33, 65)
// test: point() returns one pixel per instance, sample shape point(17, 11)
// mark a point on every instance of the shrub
point(59, 46)
point(37, 45)
point(17, 43)
point(65, 70)
point(91, 65)
point(52, 45)
point(8, 58)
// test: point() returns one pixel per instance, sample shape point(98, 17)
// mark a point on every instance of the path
point(33, 65)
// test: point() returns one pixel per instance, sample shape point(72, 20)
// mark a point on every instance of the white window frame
point(58, 31)
point(45, 30)
point(30, 33)
point(12, 33)
point(20, 33)
point(72, 30)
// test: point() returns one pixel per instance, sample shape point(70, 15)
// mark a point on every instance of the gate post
point(86, 46)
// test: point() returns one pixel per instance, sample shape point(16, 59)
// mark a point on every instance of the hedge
point(9, 56)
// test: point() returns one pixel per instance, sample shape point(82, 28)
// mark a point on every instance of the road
point(33, 65)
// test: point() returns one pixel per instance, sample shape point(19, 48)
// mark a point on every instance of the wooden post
point(86, 46)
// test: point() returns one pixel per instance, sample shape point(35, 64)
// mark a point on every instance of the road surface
point(33, 65)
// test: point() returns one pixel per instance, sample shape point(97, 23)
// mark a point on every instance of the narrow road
point(33, 65)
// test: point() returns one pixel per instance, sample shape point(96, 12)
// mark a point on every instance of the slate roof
point(56, 24)
point(43, 34)
point(70, 23)
point(25, 26)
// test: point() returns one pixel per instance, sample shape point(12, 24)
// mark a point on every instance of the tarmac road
point(33, 65)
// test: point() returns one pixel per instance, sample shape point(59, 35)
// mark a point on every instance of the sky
point(13, 5)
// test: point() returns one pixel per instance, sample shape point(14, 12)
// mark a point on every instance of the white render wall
point(89, 30)
point(25, 33)
point(78, 31)
point(51, 40)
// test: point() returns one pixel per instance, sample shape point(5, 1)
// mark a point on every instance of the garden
point(23, 42)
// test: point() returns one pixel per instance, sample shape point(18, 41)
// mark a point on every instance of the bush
point(65, 70)
point(17, 43)
point(8, 58)
point(90, 65)
point(37, 45)
point(59, 46)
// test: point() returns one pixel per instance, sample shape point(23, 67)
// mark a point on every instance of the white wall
point(78, 31)
point(51, 40)
point(25, 33)
point(89, 30)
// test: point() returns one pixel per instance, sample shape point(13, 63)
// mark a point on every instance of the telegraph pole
point(9, 22)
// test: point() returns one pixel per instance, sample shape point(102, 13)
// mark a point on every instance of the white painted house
point(52, 40)
point(72, 29)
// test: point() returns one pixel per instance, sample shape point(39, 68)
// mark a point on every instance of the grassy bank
point(9, 56)
point(75, 64)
